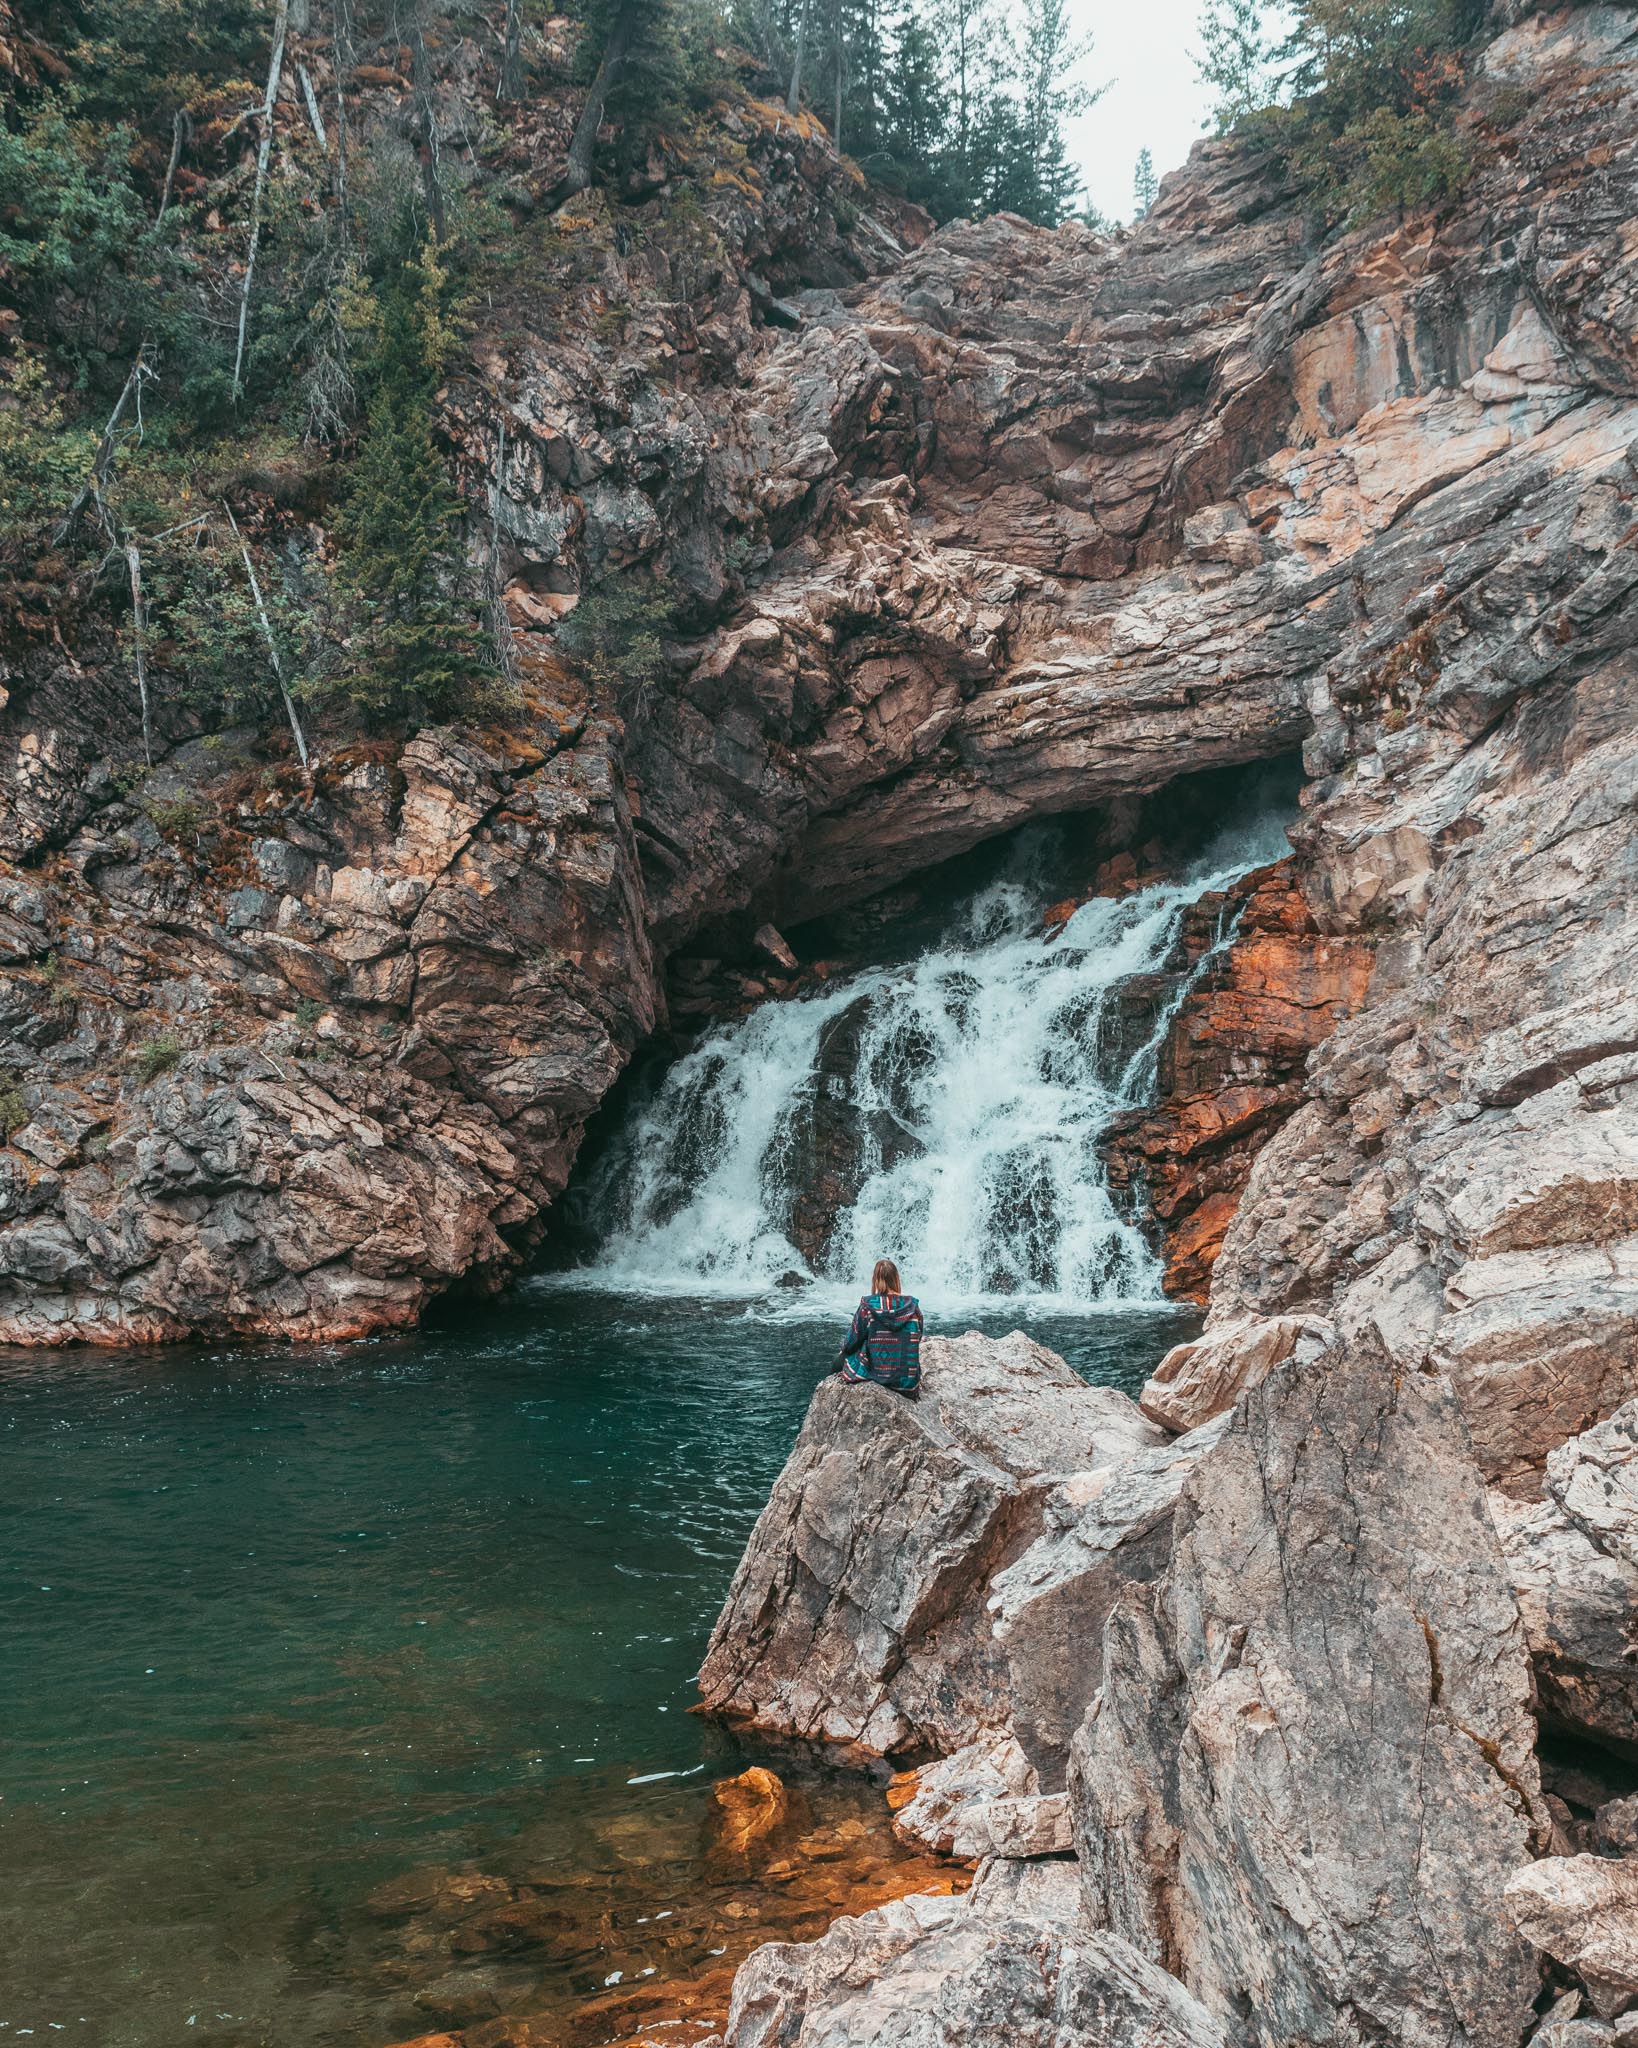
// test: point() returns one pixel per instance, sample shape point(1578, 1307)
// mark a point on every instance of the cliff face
point(1007, 524)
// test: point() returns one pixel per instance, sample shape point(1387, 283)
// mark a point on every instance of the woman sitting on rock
point(884, 1339)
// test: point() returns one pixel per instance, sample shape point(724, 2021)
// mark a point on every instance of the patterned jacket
point(884, 1342)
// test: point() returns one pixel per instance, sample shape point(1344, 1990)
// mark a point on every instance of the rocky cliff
point(1004, 524)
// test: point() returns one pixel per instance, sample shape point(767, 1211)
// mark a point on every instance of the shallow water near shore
point(312, 1655)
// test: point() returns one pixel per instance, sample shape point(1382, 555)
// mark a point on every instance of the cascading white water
point(981, 1077)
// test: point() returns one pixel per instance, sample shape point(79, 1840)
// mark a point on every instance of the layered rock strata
point(1020, 523)
point(1310, 1770)
point(859, 1612)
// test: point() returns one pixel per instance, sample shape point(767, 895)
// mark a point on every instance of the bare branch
point(500, 626)
point(181, 129)
point(296, 732)
point(139, 615)
point(313, 113)
point(274, 72)
point(103, 461)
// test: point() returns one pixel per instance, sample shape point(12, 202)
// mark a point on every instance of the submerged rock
point(1013, 1961)
point(1310, 1770)
point(859, 1611)
point(745, 1811)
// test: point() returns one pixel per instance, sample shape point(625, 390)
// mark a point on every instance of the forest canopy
point(243, 244)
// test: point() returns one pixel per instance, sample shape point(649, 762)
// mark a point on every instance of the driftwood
point(275, 70)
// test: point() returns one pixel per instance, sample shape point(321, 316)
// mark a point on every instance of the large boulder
point(1202, 1379)
point(1013, 1964)
point(1583, 1912)
point(1310, 1770)
point(859, 1611)
point(1102, 1532)
point(1573, 1557)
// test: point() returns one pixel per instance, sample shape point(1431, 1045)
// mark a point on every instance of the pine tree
point(1049, 94)
point(974, 46)
point(416, 641)
point(1145, 185)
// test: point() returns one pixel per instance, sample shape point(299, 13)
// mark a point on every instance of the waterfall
point(962, 1095)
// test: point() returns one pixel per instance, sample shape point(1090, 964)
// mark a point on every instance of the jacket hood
point(895, 1318)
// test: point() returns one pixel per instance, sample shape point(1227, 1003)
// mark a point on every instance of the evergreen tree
point(974, 48)
point(1049, 94)
point(415, 641)
point(1145, 184)
point(915, 107)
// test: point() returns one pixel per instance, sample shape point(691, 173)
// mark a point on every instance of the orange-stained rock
point(1231, 1068)
point(902, 1787)
point(746, 1810)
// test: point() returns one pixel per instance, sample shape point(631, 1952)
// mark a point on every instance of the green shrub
point(158, 1056)
point(176, 817)
point(616, 635)
point(13, 1109)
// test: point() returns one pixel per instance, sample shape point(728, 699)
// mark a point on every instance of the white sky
point(1145, 47)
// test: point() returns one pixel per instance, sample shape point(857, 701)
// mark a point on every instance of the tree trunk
point(139, 616)
point(313, 113)
point(511, 72)
point(281, 19)
point(426, 120)
point(180, 128)
point(500, 626)
point(296, 732)
point(839, 53)
point(341, 59)
point(577, 174)
point(103, 461)
point(794, 96)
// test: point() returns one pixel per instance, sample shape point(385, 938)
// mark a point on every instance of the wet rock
point(1014, 1960)
point(1583, 1912)
point(768, 941)
point(858, 1612)
point(1335, 1615)
point(745, 1811)
point(1230, 1068)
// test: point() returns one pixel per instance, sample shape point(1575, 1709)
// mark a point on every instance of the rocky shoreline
point(1256, 1732)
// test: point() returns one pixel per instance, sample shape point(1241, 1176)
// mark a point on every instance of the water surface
point(288, 1629)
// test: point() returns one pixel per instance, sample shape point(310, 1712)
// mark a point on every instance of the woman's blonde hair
point(885, 1279)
